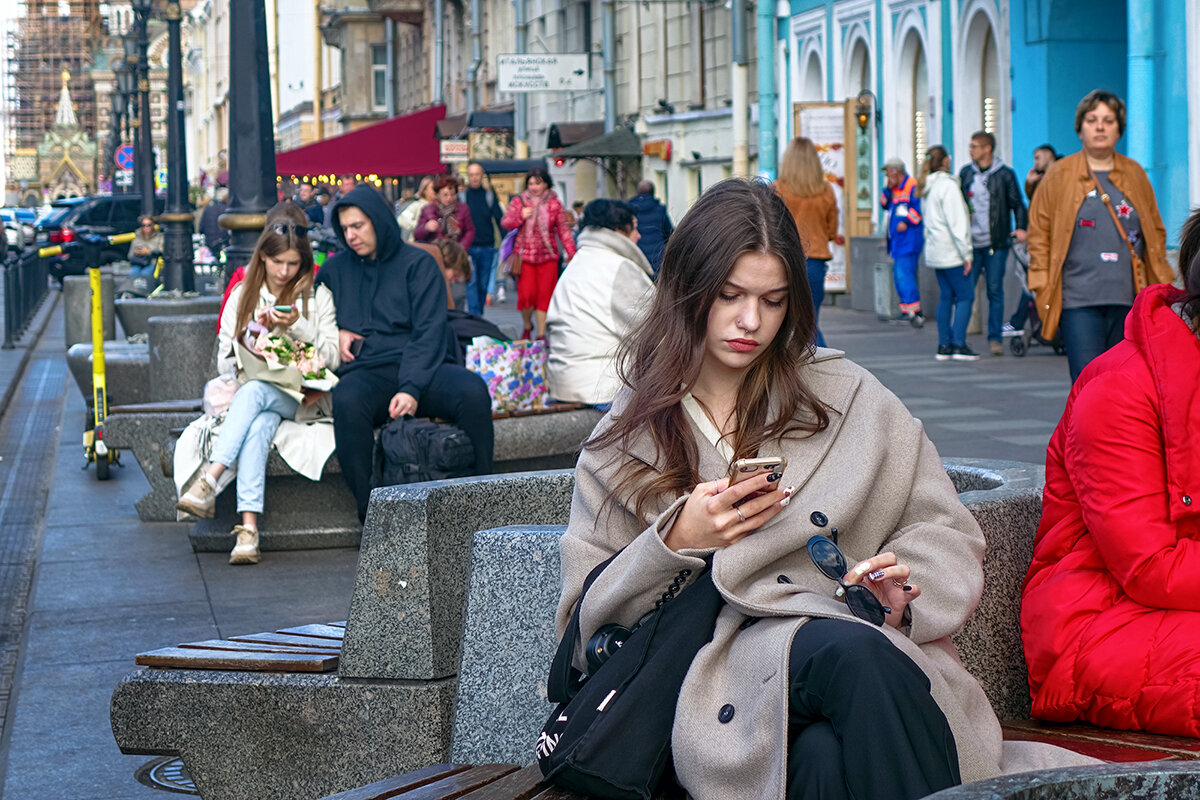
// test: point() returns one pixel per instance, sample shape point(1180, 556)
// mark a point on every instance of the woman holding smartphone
point(278, 294)
point(858, 676)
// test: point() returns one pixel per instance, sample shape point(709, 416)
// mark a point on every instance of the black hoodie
point(396, 300)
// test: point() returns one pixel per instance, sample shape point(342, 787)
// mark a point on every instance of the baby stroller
point(1032, 332)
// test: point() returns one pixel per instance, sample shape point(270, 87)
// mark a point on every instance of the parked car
point(105, 215)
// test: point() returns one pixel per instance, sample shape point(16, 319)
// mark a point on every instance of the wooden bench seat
point(446, 781)
point(1104, 743)
point(307, 648)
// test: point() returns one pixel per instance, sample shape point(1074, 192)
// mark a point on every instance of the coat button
point(1187, 499)
point(783, 579)
point(725, 714)
point(818, 519)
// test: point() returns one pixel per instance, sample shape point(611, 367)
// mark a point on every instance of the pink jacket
point(536, 239)
point(462, 215)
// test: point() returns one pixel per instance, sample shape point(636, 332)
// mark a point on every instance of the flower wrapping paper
point(515, 372)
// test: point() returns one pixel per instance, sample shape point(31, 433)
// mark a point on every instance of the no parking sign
point(124, 156)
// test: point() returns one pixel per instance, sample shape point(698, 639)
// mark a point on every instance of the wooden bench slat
point(399, 784)
point(160, 407)
point(459, 784)
point(520, 785)
point(287, 638)
point(253, 647)
point(1123, 745)
point(180, 658)
point(317, 630)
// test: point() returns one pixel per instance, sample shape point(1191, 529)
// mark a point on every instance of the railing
point(26, 283)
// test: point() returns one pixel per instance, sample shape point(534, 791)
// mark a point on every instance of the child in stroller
point(1025, 326)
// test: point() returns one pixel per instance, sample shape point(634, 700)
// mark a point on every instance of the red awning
point(404, 145)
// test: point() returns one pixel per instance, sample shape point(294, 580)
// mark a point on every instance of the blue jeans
point(1089, 331)
point(483, 277)
point(1021, 315)
point(991, 262)
point(817, 267)
point(904, 272)
point(957, 295)
point(245, 438)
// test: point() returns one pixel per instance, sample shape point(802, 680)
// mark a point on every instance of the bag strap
point(1112, 212)
point(564, 678)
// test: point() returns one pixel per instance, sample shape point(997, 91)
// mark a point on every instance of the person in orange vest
point(905, 237)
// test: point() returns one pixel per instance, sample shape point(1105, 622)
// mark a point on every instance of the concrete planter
point(135, 312)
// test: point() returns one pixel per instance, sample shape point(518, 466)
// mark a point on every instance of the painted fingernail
point(907, 588)
point(877, 575)
point(774, 476)
point(839, 592)
point(786, 499)
point(862, 568)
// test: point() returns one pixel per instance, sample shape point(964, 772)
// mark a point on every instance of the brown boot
point(246, 549)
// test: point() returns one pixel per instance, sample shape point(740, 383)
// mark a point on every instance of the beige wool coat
point(876, 478)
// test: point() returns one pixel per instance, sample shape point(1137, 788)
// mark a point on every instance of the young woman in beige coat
point(795, 696)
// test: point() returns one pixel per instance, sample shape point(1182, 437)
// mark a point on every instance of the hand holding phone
point(284, 309)
point(745, 468)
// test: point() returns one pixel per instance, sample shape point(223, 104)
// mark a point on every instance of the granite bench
point(417, 637)
point(295, 516)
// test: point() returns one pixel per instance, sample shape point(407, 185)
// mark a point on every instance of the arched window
point(912, 101)
point(858, 72)
point(812, 85)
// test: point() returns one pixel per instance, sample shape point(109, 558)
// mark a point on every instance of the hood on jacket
point(1171, 350)
point(644, 202)
point(371, 203)
point(615, 242)
point(939, 177)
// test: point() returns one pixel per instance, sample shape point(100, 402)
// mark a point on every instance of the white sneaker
point(246, 549)
point(501, 294)
point(200, 498)
point(1008, 330)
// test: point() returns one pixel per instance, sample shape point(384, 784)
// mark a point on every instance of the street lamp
point(177, 220)
point(128, 80)
point(146, 144)
point(125, 83)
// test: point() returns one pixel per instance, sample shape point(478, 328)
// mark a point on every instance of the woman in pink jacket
point(543, 228)
point(445, 217)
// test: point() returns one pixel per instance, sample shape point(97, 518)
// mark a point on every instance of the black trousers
point(360, 405)
point(861, 721)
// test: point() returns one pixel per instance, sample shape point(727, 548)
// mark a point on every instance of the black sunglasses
point(283, 228)
point(832, 564)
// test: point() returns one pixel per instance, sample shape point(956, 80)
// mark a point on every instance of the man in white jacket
point(948, 251)
point(597, 301)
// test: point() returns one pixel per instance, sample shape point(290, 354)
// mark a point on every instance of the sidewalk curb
point(28, 343)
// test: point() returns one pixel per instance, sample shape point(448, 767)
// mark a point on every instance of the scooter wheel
point(102, 467)
point(1017, 346)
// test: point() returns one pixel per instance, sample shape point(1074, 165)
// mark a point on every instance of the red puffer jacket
point(1110, 614)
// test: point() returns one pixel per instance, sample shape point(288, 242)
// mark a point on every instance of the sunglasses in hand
point(861, 601)
point(283, 228)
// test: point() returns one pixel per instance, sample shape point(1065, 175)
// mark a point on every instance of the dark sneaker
point(917, 320)
point(945, 352)
point(965, 353)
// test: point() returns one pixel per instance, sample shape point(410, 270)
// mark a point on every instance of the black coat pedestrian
point(655, 228)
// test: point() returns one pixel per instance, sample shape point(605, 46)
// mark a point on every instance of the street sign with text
point(542, 72)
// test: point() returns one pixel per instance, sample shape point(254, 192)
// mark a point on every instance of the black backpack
point(409, 450)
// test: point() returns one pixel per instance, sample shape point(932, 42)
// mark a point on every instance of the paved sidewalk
point(105, 585)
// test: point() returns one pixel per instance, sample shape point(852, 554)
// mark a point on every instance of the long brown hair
point(662, 357)
point(937, 159)
point(800, 169)
point(286, 229)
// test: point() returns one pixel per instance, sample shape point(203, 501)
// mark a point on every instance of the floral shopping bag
point(515, 372)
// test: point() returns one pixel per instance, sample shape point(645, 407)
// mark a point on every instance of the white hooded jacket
point(947, 222)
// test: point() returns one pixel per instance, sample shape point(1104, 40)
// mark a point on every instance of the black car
point(102, 215)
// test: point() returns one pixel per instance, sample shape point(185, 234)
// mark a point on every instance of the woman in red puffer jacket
point(1110, 613)
point(543, 229)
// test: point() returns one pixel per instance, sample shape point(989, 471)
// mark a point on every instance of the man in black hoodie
point(395, 341)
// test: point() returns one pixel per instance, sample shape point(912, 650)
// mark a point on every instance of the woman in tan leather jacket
point(1094, 211)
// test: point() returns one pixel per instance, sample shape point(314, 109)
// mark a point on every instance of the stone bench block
point(126, 369)
point(182, 355)
point(77, 307)
point(406, 614)
point(135, 312)
point(508, 637)
point(542, 441)
point(1154, 780)
point(249, 736)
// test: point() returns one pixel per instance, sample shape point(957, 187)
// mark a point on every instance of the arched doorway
point(912, 101)
point(982, 104)
point(858, 69)
point(812, 81)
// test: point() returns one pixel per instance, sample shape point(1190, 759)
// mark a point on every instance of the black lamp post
point(145, 178)
point(128, 80)
point(119, 107)
point(251, 139)
point(177, 220)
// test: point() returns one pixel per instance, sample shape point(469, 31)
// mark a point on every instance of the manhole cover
point(166, 773)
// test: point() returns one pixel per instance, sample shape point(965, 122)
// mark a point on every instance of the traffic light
point(558, 162)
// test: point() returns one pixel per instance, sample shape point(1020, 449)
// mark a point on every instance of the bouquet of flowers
point(282, 361)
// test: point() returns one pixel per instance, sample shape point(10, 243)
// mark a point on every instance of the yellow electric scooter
point(94, 447)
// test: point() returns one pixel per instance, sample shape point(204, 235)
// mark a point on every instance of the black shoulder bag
point(610, 735)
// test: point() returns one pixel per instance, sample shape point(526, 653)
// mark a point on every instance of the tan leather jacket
point(1052, 217)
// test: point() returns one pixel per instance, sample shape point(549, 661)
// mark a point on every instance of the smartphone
point(746, 468)
point(284, 309)
point(356, 347)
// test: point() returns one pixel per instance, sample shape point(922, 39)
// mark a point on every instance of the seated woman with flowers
point(297, 327)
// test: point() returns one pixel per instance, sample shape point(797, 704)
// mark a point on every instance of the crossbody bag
point(1140, 278)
